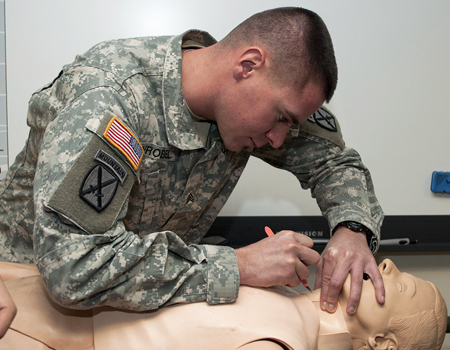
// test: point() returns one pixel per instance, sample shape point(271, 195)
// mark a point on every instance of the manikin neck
point(333, 331)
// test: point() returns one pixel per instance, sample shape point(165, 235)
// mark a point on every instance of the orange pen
point(269, 233)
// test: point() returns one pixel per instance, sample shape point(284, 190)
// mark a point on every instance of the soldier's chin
point(234, 148)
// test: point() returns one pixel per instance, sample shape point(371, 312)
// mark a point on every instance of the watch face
point(355, 227)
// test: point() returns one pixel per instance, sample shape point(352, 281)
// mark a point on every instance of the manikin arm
point(8, 309)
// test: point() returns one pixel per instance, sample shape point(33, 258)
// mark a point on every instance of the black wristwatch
point(372, 240)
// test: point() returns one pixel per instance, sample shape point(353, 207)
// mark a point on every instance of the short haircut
point(298, 42)
point(424, 330)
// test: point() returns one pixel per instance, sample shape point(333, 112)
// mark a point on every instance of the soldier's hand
point(278, 260)
point(346, 252)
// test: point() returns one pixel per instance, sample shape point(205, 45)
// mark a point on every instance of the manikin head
point(413, 317)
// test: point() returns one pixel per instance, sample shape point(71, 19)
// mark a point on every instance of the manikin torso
point(272, 313)
point(277, 313)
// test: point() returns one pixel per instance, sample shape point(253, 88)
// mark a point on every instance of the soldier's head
point(296, 42)
point(275, 70)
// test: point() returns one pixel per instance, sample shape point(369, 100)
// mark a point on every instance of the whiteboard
point(391, 99)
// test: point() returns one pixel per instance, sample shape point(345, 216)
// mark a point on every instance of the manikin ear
point(253, 59)
point(384, 342)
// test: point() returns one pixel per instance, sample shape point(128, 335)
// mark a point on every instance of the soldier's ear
point(250, 61)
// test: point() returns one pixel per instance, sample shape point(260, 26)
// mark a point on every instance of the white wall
point(391, 101)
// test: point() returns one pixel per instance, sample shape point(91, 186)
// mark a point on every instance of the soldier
point(135, 147)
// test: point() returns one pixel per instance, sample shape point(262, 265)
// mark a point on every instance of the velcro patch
point(99, 187)
point(164, 153)
point(124, 140)
point(99, 191)
point(112, 163)
point(324, 119)
point(325, 125)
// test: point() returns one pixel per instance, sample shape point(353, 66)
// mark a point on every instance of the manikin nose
point(385, 266)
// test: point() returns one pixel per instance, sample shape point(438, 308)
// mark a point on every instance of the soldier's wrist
point(354, 226)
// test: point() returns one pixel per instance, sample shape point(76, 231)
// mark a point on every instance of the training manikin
point(261, 318)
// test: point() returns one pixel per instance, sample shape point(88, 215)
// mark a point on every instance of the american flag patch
point(124, 140)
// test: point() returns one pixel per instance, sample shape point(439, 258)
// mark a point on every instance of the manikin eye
point(400, 286)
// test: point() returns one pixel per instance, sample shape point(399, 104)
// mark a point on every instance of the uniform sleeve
point(83, 250)
point(315, 153)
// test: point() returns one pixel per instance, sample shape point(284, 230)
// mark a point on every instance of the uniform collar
point(180, 128)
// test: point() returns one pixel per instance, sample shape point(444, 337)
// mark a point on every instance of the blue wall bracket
point(440, 182)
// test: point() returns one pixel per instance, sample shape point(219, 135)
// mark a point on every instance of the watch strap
point(372, 240)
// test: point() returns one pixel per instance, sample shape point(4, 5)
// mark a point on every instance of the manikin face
point(256, 112)
point(405, 295)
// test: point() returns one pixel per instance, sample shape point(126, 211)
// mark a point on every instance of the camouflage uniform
point(114, 223)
